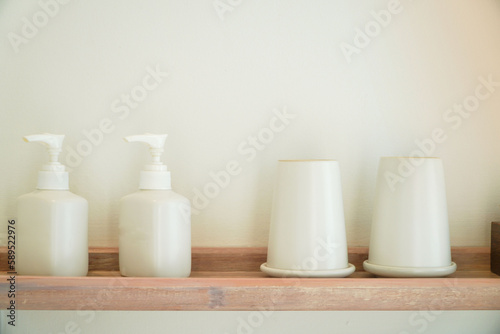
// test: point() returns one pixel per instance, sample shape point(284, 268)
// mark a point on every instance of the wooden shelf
point(229, 279)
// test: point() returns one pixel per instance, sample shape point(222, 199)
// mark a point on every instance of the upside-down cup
point(307, 234)
point(410, 233)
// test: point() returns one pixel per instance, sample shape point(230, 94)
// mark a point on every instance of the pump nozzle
point(155, 175)
point(51, 141)
point(155, 142)
point(53, 175)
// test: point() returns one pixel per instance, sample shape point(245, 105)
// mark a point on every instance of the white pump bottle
point(155, 222)
point(52, 225)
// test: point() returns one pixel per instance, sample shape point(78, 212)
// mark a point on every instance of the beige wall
point(225, 79)
point(230, 70)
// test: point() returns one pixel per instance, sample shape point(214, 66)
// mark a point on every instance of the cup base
point(275, 272)
point(388, 271)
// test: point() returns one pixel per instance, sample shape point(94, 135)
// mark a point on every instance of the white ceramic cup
point(307, 235)
point(410, 232)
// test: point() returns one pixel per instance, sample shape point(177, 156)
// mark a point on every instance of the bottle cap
point(154, 175)
point(53, 174)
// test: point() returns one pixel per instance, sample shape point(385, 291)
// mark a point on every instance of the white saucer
point(275, 272)
point(388, 271)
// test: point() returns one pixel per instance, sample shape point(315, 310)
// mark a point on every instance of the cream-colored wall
point(231, 70)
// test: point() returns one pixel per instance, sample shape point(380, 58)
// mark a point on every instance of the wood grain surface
point(230, 279)
point(495, 247)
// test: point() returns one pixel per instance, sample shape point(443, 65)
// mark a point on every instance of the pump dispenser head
point(53, 175)
point(154, 175)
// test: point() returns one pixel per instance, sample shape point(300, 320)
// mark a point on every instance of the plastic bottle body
point(52, 234)
point(155, 234)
